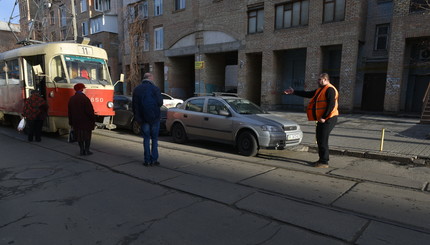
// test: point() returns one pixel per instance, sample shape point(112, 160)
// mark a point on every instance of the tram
point(53, 69)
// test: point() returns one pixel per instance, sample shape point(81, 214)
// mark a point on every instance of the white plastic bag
point(21, 125)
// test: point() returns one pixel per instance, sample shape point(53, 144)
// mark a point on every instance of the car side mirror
point(224, 113)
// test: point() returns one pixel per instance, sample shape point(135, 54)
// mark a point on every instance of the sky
point(6, 7)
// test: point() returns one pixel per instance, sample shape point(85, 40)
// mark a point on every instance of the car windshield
point(243, 106)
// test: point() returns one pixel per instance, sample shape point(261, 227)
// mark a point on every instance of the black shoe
point(82, 153)
point(156, 163)
point(88, 153)
point(145, 164)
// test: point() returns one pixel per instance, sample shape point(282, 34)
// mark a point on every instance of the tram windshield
point(80, 69)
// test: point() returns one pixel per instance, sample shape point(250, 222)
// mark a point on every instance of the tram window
point(2, 73)
point(57, 71)
point(29, 75)
point(13, 72)
point(87, 70)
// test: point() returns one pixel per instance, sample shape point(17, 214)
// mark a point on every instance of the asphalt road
point(202, 193)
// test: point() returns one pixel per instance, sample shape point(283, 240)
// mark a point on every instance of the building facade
point(376, 51)
point(9, 36)
point(74, 20)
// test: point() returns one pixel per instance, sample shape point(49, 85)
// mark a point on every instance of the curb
point(398, 159)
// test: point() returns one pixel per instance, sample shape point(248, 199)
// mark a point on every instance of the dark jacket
point(81, 112)
point(35, 108)
point(147, 101)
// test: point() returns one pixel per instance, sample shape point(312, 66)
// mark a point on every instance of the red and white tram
point(53, 69)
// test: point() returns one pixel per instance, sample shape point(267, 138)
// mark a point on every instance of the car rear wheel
point(247, 144)
point(178, 133)
point(135, 127)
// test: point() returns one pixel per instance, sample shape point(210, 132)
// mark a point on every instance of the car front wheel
point(247, 144)
point(178, 133)
point(135, 127)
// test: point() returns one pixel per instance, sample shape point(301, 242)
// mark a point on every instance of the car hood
point(272, 119)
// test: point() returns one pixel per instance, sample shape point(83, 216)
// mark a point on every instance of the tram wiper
point(99, 81)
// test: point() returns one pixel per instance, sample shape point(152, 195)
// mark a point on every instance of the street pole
point(75, 29)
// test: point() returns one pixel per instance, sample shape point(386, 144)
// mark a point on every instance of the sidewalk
point(52, 195)
point(405, 139)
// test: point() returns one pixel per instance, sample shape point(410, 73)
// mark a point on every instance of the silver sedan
point(231, 120)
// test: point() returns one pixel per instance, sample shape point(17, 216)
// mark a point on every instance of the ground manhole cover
point(34, 173)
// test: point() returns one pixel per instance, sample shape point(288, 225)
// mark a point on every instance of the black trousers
point(322, 133)
point(34, 128)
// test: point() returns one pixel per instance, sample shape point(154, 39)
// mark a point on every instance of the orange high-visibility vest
point(318, 104)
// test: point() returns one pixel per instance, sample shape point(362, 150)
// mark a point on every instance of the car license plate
point(293, 136)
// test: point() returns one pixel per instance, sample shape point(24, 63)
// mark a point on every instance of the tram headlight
point(110, 104)
point(51, 94)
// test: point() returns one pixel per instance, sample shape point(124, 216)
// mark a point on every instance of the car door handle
point(206, 118)
point(185, 115)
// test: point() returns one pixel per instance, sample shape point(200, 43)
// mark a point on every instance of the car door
point(123, 113)
point(193, 115)
point(215, 125)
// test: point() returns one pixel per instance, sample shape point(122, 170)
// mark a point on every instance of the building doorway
point(373, 92)
point(252, 89)
point(418, 89)
point(292, 70)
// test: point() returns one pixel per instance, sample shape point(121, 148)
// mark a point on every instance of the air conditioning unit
point(424, 54)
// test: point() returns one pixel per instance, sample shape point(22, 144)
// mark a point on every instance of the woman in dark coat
point(81, 118)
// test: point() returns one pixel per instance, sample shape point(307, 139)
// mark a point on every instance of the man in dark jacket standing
point(81, 118)
point(147, 101)
point(35, 112)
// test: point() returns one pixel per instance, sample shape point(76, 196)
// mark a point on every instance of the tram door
point(35, 74)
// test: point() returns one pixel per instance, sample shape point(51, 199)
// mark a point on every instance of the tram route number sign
point(85, 50)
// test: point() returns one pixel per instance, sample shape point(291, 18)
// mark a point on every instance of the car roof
point(213, 97)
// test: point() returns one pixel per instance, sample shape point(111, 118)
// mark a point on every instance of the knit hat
point(79, 87)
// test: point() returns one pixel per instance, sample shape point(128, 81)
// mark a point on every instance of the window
point(102, 5)
point(255, 19)
point(334, 10)
point(95, 25)
point(51, 18)
point(195, 105)
point(81, 68)
point(145, 41)
point(83, 6)
point(138, 11)
point(381, 37)
point(136, 41)
point(158, 7)
point(419, 5)
point(84, 28)
point(63, 15)
point(57, 70)
point(63, 34)
point(158, 38)
point(2, 73)
point(143, 10)
point(12, 72)
point(215, 106)
point(179, 4)
point(292, 14)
